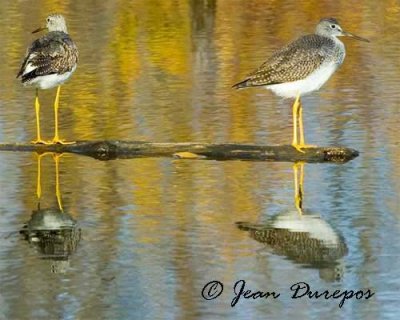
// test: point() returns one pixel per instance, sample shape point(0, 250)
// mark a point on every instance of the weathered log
point(113, 149)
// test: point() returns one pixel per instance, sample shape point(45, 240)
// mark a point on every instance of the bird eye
point(333, 26)
point(48, 19)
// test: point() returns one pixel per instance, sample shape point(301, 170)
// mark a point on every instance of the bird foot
point(300, 147)
point(40, 141)
point(62, 142)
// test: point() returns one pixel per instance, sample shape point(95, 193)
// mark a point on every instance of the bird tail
point(241, 85)
point(246, 226)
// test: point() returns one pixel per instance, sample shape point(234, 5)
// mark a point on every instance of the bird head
point(54, 22)
point(330, 27)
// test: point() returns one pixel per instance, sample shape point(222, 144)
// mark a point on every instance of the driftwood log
point(113, 149)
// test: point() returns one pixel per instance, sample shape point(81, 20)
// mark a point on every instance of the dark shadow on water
point(52, 231)
point(301, 236)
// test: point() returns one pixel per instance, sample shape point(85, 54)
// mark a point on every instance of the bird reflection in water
point(52, 231)
point(302, 236)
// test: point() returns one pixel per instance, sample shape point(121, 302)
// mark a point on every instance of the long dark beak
point(348, 34)
point(39, 29)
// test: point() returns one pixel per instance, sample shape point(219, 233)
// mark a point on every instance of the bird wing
point(52, 53)
point(294, 62)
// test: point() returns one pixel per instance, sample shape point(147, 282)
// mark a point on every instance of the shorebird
point(49, 62)
point(301, 67)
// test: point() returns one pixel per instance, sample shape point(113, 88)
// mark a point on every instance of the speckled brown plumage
point(54, 53)
point(300, 247)
point(293, 62)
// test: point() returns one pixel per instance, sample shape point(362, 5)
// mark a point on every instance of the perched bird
point(301, 67)
point(49, 62)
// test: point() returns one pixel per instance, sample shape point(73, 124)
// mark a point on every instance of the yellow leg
point(56, 105)
point(56, 138)
point(301, 129)
point(294, 111)
point(38, 139)
point(58, 193)
point(298, 120)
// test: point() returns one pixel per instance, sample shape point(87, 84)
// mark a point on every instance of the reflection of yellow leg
point(38, 181)
point(56, 138)
point(58, 193)
point(298, 186)
point(301, 177)
point(39, 185)
point(38, 139)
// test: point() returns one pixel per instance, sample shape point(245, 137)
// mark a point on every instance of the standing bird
point(301, 67)
point(49, 62)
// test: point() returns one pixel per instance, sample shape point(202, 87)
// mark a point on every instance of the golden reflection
point(302, 236)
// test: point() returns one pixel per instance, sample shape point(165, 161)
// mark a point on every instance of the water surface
point(154, 231)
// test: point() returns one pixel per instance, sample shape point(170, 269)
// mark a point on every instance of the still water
point(146, 235)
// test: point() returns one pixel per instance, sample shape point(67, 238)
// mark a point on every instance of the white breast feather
point(51, 80)
point(312, 83)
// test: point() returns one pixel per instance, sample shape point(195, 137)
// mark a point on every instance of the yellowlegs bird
point(49, 62)
point(301, 67)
